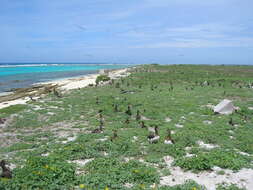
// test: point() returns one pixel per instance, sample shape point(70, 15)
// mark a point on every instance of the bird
point(100, 129)
point(56, 93)
point(142, 125)
point(129, 112)
point(168, 139)
point(127, 121)
point(115, 135)
point(231, 122)
point(138, 116)
point(32, 99)
point(2, 120)
point(116, 109)
point(6, 172)
point(154, 137)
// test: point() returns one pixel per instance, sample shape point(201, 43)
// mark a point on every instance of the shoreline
point(55, 64)
point(23, 95)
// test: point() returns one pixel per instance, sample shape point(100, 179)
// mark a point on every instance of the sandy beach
point(62, 85)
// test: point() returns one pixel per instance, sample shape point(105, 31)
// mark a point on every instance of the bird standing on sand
point(6, 172)
point(154, 137)
point(32, 99)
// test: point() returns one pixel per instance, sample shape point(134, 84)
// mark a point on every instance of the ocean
point(24, 75)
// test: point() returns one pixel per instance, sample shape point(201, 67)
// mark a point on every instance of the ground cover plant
point(55, 142)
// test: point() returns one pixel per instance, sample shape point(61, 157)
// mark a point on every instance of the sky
point(127, 31)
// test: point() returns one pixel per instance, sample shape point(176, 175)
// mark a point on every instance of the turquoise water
point(19, 76)
point(13, 70)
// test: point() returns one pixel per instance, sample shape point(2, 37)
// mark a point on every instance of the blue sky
point(127, 31)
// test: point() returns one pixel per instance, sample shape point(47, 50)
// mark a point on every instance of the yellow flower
point(194, 188)
point(82, 186)
point(106, 188)
point(4, 179)
point(142, 186)
point(46, 166)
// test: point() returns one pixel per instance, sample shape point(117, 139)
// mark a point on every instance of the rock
point(207, 122)
point(224, 107)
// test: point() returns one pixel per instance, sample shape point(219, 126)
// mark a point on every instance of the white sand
point(69, 84)
point(81, 82)
point(209, 179)
point(14, 102)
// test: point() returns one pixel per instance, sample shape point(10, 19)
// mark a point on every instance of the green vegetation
point(102, 78)
point(12, 110)
point(53, 147)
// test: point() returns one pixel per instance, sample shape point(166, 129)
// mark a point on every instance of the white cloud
point(199, 43)
point(195, 36)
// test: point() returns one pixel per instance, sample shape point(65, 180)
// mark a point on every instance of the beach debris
point(153, 136)
point(115, 135)
point(128, 112)
point(168, 139)
point(224, 107)
point(138, 116)
point(6, 172)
